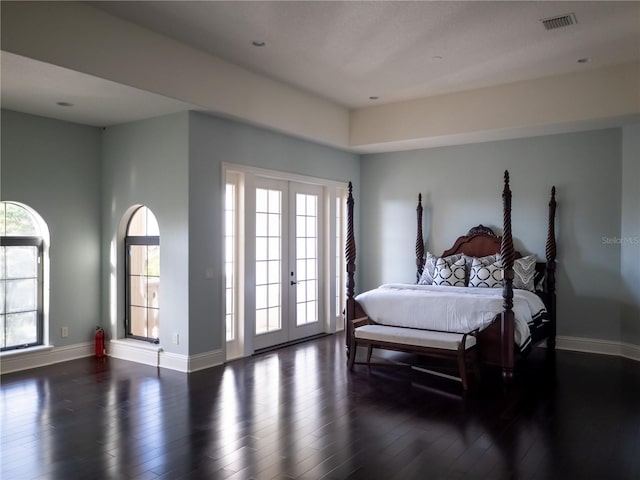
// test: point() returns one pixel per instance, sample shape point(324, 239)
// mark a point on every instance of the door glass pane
point(268, 259)
point(262, 273)
point(274, 249)
point(274, 224)
point(261, 297)
point(273, 275)
point(274, 319)
point(262, 326)
point(306, 258)
point(262, 223)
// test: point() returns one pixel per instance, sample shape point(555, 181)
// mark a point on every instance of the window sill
point(25, 351)
point(133, 343)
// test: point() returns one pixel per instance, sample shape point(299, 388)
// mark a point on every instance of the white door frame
point(329, 323)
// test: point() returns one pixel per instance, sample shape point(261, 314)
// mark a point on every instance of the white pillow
point(524, 272)
point(485, 275)
point(452, 274)
point(430, 265)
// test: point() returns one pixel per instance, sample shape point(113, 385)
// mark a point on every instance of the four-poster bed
point(493, 339)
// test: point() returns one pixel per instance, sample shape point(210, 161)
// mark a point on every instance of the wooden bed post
point(419, 241)
point(350, 254)
point(507, 253)
point(550, 277)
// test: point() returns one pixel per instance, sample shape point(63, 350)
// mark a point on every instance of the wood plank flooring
point(299, 413)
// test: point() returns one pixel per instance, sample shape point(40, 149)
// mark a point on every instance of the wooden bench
point(459, 346)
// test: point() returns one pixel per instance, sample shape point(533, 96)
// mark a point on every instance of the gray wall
point(630, 234)
point(84, 181)
point(146, 163)
point(54, 167)
point(213, 141)
point(462, 186)
point(173, 165)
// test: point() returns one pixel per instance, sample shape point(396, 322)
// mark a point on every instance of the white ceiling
point(35, 87)
point(349, 51)
point(345, 51)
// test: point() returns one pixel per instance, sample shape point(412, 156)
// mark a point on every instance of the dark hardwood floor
point(299, 413)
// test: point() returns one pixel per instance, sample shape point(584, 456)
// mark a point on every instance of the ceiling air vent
point(560, 21)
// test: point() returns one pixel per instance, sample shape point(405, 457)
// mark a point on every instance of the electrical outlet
point(64, 332)
point(176, 339)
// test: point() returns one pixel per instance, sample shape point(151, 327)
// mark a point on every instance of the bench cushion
point(411, 336)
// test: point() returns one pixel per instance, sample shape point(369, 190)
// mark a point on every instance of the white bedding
point(450, 309)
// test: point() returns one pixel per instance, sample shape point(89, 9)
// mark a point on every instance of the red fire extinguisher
point(99, 338)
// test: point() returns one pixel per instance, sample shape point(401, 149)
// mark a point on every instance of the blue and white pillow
point(452, 274)
point(430, 265)
point(485, 275)
point(488, 260)
point(524, 272)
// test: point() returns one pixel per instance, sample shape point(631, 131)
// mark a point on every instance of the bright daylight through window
point(21, 277)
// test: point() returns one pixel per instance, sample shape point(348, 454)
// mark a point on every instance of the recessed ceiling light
point(373, 98)
point(64, 104)
point(258, 43)
point(584, 60)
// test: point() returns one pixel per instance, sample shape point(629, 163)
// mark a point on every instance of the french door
point(288, 264)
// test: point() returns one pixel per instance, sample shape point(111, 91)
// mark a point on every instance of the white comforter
point(451, 309)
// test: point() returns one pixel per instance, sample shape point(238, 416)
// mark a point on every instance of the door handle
point(293, 283)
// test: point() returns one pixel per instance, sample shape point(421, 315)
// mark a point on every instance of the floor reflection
point(299, 413)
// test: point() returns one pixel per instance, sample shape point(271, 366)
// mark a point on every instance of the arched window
point(21, 278)
point(142, 244)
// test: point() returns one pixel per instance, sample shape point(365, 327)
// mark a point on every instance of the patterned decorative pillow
point(452, 274)
point(430, 266)
point(524, 272)
point(488, 260)
point(485, 275)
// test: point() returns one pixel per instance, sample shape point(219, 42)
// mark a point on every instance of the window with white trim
point(21, 277)
point(142, 276)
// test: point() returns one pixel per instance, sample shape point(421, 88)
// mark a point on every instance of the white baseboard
point(628, 350)
point(154, 355)
point(602, 347)
point(149, 354)
point(17, 360)
point(135, 351)
point(201, 361)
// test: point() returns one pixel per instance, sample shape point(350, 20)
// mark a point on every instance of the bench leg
point(369, 353)
point(352, 354)
point(463, 370)
point(476, 364)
